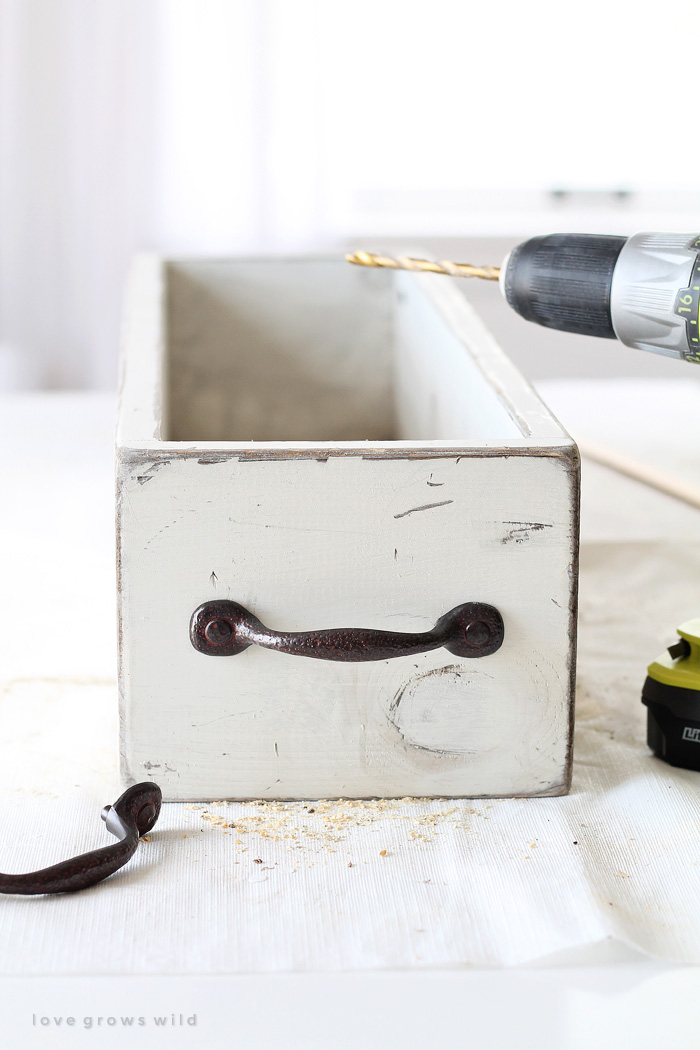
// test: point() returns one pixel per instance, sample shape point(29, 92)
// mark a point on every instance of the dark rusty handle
point(131, 816)
point(223, 628)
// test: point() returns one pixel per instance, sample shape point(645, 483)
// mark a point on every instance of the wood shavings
point(220, 821)
point(328, 822)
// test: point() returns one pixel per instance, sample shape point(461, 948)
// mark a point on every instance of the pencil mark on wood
point(148, 475)
point(160, 532)
point(220, 718)
point(426, 506)
point(522, 530)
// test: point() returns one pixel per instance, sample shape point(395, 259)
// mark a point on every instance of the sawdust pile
point(330, 822)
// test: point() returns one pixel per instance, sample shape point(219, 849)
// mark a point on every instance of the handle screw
point(477, 633)
point(218, 632)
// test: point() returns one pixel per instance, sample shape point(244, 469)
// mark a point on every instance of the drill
point(643, 290)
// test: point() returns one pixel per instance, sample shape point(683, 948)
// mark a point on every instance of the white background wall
point(229, 126)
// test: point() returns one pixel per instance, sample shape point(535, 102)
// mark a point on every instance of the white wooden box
point(334, 447)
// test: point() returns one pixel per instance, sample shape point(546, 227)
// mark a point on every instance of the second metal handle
point(132, 815)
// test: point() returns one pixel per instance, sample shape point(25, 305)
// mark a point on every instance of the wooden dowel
point(640, 471)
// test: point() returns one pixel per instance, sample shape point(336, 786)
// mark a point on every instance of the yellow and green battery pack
point(671, 693)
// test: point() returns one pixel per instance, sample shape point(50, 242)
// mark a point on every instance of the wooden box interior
point(317, 351)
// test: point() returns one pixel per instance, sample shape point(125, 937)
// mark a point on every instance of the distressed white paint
point(467, 490)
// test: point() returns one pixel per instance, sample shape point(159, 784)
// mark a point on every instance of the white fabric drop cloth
point(342, 885)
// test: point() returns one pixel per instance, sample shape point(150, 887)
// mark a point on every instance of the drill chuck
point(643, 290)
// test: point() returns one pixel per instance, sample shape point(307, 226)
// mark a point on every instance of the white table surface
point(57, 671)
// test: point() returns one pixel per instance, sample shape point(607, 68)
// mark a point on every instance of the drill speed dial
point(687, 307)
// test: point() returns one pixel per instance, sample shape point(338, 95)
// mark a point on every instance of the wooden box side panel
point(440, 391)
point(508, 390)
point(142, 414)
point(348, 541)
point(279, 350)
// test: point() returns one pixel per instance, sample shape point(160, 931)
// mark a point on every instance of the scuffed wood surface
point(347, 542)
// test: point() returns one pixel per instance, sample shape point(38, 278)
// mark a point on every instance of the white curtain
point(75, 139)
point(138, 124)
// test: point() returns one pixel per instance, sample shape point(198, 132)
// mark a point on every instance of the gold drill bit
point(402, 262)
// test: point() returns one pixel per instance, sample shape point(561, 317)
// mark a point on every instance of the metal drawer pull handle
point(132, 815)
point(223, 628)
